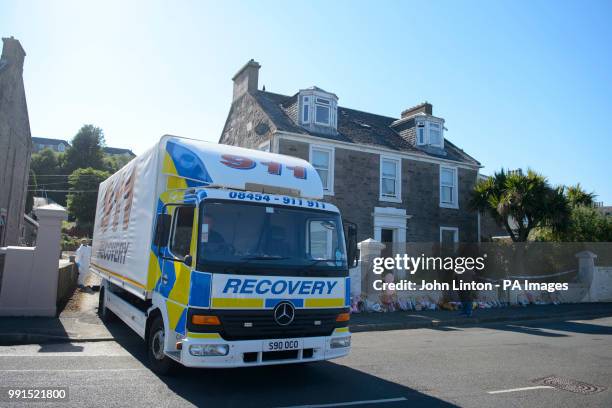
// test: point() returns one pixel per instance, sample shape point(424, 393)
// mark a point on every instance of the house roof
point(354, 126)
point(49, 141)
point(118, 151)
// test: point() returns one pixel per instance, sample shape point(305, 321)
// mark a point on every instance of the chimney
point(424, 107)
point(13, 52)
point(246, 79)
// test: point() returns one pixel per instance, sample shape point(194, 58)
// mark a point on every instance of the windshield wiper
point(317, 261)
point(264, 258)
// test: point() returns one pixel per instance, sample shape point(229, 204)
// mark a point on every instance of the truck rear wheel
point(104, 312)
point(160, 363)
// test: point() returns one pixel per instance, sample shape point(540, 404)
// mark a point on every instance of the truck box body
point(128, 200)
point(194, 232)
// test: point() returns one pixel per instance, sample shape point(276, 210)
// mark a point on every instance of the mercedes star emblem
point(284, 313)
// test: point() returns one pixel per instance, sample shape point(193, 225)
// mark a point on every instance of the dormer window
point(322, 111)
point(305, 109)
point(421, 133)
point(435, 134)
point(429, 133)
point(317, 109)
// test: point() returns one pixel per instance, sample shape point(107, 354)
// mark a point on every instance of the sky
point(521, 84)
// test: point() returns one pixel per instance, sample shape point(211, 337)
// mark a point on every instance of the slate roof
point(118, 151)
point(49, 141)
point(354, 126)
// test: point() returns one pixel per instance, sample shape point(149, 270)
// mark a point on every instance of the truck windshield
point(267, 239)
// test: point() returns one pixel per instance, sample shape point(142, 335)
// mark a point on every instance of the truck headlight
point(340, 342)
point(209, 349)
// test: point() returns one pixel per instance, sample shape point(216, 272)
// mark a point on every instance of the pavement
point(491, 365)
point(79, 322)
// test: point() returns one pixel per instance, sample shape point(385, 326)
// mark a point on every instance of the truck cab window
point(182, 227)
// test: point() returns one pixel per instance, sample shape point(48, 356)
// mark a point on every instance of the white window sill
point(449, 205)
point(328, 193)
point(390, 199)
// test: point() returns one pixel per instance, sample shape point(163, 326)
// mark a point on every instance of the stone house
point(398, 178)
point(15, 142)
point(61, 145)
point(41, 143)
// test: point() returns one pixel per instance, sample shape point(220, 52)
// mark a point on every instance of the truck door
point(178, 259)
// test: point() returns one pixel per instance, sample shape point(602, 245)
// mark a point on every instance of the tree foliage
point(577, 196)
point(586, 224)
point(45, 174)
point(83, 195)
point(45, 162)
point(521, 202)
point(86, 150)
point(114, 163)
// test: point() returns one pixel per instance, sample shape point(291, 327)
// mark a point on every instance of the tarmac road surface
point(489, 366)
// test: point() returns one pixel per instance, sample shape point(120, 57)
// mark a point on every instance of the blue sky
point(520, 84)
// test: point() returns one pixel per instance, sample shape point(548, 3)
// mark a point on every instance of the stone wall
point(15, 142)
point(66, 281)
point(246, 125)
point(356, 194)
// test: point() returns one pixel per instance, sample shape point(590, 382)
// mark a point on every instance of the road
point(467, 367)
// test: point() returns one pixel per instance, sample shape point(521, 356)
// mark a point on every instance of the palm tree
point(521, 202)
point(577, 196)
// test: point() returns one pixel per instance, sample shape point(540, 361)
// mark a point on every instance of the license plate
point(282, 344)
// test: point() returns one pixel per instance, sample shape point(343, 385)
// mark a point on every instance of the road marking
point(537, 387)
point(349, 403)
point(43, 370)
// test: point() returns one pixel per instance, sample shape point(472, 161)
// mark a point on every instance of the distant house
point(117, 151)
point(61, 145)
point(41, 143)
point(15, 142)
point(399, 178)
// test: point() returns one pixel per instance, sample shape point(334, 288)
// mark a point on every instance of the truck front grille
point(260, 324)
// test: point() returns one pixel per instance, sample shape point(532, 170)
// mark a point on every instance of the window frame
point(455, 192)
point(426, 123)
point(327, 105)
point(398, 180)
point(441, 130)
point(453, 229)
point(305, 109)
point(330, 172)
point(421, 125)
point(173, 229)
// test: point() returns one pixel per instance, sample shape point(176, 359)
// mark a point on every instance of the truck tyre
point(104, 312)
point(160, 363)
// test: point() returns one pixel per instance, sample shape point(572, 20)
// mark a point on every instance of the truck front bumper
point(247, 353)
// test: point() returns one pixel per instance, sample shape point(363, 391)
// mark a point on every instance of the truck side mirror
point(188, 260)
point(162, 230)
point(350, 235)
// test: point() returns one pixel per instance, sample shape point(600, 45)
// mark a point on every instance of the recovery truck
point(220, 256)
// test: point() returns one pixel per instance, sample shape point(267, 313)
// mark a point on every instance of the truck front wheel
point(159, 362)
